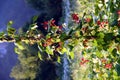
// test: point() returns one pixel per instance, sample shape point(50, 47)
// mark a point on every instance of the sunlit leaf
point(49, 50)
point(20, 46)
point(72, 55)
point(16, 50)
point(39, 55)
point(64, 50)
point(58, 60)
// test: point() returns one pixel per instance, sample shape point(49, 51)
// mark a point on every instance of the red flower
point(98, 22)
point(87, 20)
point(45, 25)
point(52, 23)
point(102, 24)
point(60, 27)
point(106, 22)
point(75, 17)
point(108, 66)
point(44, 44)
point(83, 61)
point(118, 12)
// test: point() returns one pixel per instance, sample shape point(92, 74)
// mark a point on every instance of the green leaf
point(70, 32)
point(64, 50)
point(100, 35)
point(57, 40)
point(72, 55)
point(16, 50)
point(35, 18)
point(117, 67)
point(19, 45)
point(71, 47)
point(108, 36)
point(95, 43)
point(58, 60)
point(114, 52)
point(98, 54)
point(39, 55)
point(11, 30)
point(1, 34)
point(49, 50)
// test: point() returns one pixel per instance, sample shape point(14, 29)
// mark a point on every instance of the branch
point(35, 39)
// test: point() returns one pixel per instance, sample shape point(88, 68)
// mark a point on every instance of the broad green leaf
point(110, 50)
point(99, 54)
point(64, 50)
point(72, 55)
point(57, 40)
point(100, 35)
point(114, 52)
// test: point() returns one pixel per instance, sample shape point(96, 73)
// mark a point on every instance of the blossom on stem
point(118, 12)
point(45, 25)
point(98, 22)
point(102, 24)
point(52, 23)
point(75, 17)
point(87, 20)
point(108, 66)
point(83, 61)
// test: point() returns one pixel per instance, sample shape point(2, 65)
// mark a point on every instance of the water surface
point(19, 12)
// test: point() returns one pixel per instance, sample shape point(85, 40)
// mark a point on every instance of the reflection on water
point(20, 13)
point(66, 68)
point(2, 49)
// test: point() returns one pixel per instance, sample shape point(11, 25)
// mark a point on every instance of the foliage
point(99, 42)
point(97, 34)
point(28, 65)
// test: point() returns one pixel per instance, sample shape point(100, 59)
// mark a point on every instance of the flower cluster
point(75, 17)
point(88, 20)
point(83, 61)
point(51, 23)
point(102, 24)
point(108, 66)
